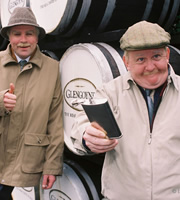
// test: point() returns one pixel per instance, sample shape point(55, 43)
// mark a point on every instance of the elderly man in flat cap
point(31, 131)
point(144, 164)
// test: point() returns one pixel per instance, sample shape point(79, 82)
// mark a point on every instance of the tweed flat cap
point(22, 16)
point(144, 35)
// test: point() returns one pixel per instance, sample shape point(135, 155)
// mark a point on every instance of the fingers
point(97, 141)
point(100, 147)
point(45, 181)
point(48, 181)
point(9, 106)
point(10, 98)
point(11, 88)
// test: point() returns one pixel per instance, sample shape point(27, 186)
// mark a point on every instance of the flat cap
point(144, 35)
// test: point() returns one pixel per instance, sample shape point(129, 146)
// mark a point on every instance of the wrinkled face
point(23, 40)
point(149, 68)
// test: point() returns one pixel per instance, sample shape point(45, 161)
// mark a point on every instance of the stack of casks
point(85, 66)
point(70, 17)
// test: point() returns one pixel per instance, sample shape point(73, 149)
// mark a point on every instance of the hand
point(48, 181)
point(96, 139)
point(10, 98)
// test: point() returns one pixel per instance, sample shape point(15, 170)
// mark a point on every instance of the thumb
point(97, 126)
point(11, 88)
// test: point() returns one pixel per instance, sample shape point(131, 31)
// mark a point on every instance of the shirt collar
point(19, 59)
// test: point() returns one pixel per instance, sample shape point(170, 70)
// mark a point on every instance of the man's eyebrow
point(139, 54)
point(14, 30)
point(154, 52)
point(31, 31)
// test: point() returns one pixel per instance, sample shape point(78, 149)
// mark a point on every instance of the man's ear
point(125, 60)
point(168, 54)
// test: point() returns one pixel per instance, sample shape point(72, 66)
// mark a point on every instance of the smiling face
point(23, 40)
point(149, 68)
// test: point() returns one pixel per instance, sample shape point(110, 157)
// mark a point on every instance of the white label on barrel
point(25, 193)
point(48, 12)
point(7, 7)
point(78, 88)
point(83, 68)
point(66, 187)
point(57, 195)
point(15, 3)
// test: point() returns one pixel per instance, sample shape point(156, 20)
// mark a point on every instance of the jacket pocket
point(34, 152)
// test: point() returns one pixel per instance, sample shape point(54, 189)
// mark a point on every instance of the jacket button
point(39, 141)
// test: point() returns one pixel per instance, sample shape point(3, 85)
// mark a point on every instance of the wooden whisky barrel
point(84, 67)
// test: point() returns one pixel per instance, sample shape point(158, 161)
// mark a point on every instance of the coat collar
point(127, 81)
point(172, 78)
point(9, 57)
point(36, 59)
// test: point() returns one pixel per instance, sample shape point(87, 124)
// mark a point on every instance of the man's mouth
point(23, 45)
point(151, 73)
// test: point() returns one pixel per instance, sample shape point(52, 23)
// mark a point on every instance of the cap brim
point(145, 47)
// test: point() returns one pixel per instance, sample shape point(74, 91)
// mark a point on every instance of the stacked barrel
point(84, 35)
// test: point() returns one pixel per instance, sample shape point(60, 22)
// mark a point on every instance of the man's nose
point(150, 64)
point(23, 38)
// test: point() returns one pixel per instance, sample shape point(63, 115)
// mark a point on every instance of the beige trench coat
point(31, 136)
point(138, 169)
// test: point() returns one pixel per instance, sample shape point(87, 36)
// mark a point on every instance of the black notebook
point(99, 111)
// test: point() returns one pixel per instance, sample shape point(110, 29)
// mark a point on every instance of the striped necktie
point(22, 63)
point(150, 104)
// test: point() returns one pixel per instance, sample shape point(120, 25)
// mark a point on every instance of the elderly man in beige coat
point(31, 128)
point(144, 164)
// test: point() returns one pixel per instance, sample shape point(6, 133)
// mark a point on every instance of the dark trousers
point(5, 192)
